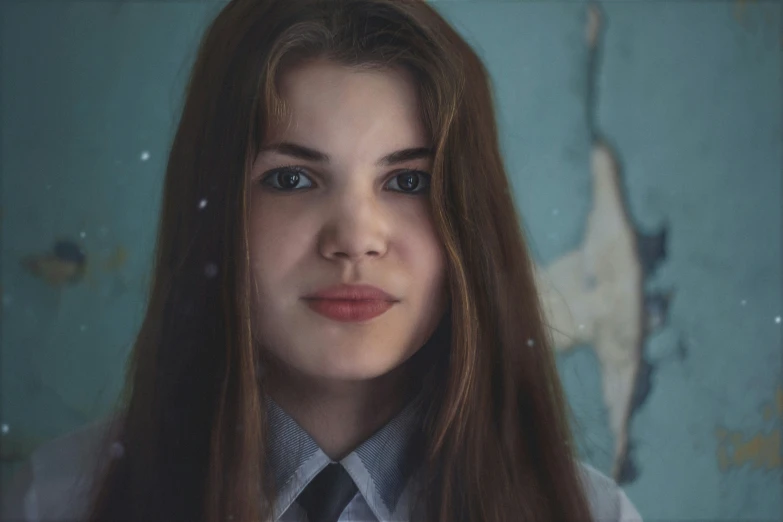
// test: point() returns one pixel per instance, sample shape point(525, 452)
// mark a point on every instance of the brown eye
point(410, 182)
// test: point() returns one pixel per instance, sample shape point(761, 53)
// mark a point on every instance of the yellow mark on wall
point(761, 450)
point(739, 11)
point(117, 259)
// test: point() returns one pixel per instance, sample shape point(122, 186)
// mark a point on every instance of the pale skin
point(349, 219)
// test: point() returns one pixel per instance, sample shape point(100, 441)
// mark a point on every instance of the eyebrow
point(306, 153)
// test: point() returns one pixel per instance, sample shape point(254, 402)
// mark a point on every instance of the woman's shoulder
point(608, 501)
point(54, 483)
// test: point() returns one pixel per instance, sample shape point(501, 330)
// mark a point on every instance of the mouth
point(347, 310)
point(350, 303)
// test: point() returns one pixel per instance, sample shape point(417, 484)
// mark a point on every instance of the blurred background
point(648, 129)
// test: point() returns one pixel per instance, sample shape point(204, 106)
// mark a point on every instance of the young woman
point(343, 322)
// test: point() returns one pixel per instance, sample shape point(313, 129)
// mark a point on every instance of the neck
point(338, 415)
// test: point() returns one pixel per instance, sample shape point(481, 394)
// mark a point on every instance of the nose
point(355, 228)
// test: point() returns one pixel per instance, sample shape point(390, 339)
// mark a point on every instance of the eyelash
point(302, 172)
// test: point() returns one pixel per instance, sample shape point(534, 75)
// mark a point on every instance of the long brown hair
point(496, 444)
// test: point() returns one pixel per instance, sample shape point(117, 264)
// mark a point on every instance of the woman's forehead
point(336, 108)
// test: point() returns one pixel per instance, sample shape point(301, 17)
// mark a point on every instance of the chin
point(352, 371)
point(357, 367)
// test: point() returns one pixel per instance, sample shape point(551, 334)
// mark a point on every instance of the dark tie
point(325, 497)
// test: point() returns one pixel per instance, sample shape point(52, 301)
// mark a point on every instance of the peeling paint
point(64, 263)
point(595, 295)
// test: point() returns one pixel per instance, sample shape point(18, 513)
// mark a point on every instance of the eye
point(410, 182)
point(287, 179)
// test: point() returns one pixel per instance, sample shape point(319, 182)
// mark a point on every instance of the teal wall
point(688, 94)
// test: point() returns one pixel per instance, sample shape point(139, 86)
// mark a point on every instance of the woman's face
point(328, 210)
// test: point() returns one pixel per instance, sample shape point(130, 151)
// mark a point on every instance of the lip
point(350, 303)
point(352, 293)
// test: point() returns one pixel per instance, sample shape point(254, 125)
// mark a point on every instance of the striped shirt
point(378, 467)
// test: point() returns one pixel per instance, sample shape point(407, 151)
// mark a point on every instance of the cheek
point(279, 229)
point(279, 242)
point(424, 253)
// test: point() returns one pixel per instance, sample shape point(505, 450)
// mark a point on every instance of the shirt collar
point(380, 466)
